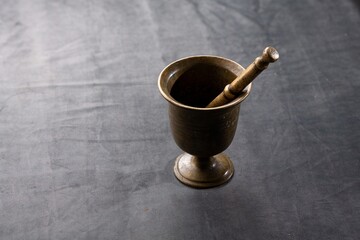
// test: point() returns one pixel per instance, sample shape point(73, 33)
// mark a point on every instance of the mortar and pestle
point(204, 95)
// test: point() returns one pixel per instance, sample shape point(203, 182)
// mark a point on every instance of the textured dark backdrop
point(86, 151)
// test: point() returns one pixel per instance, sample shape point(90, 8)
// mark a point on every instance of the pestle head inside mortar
point(200, 84)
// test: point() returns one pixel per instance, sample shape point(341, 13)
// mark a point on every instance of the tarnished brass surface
point(188, 85)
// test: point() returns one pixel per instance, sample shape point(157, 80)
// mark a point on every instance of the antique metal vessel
point(189, 84)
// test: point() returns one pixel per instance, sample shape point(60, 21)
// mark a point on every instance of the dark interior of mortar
point(200, 84)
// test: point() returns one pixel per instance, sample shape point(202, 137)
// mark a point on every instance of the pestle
point(235, 88)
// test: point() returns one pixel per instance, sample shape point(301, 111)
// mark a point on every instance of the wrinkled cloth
point(85, 146)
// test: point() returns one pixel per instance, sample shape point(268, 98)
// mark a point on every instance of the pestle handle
point(234, 89)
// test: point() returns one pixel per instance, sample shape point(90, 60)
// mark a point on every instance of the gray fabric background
point(85, 147)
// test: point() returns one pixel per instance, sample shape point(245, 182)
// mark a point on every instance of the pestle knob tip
point(271, 54)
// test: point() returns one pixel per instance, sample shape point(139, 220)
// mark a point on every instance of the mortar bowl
point(189, 84)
